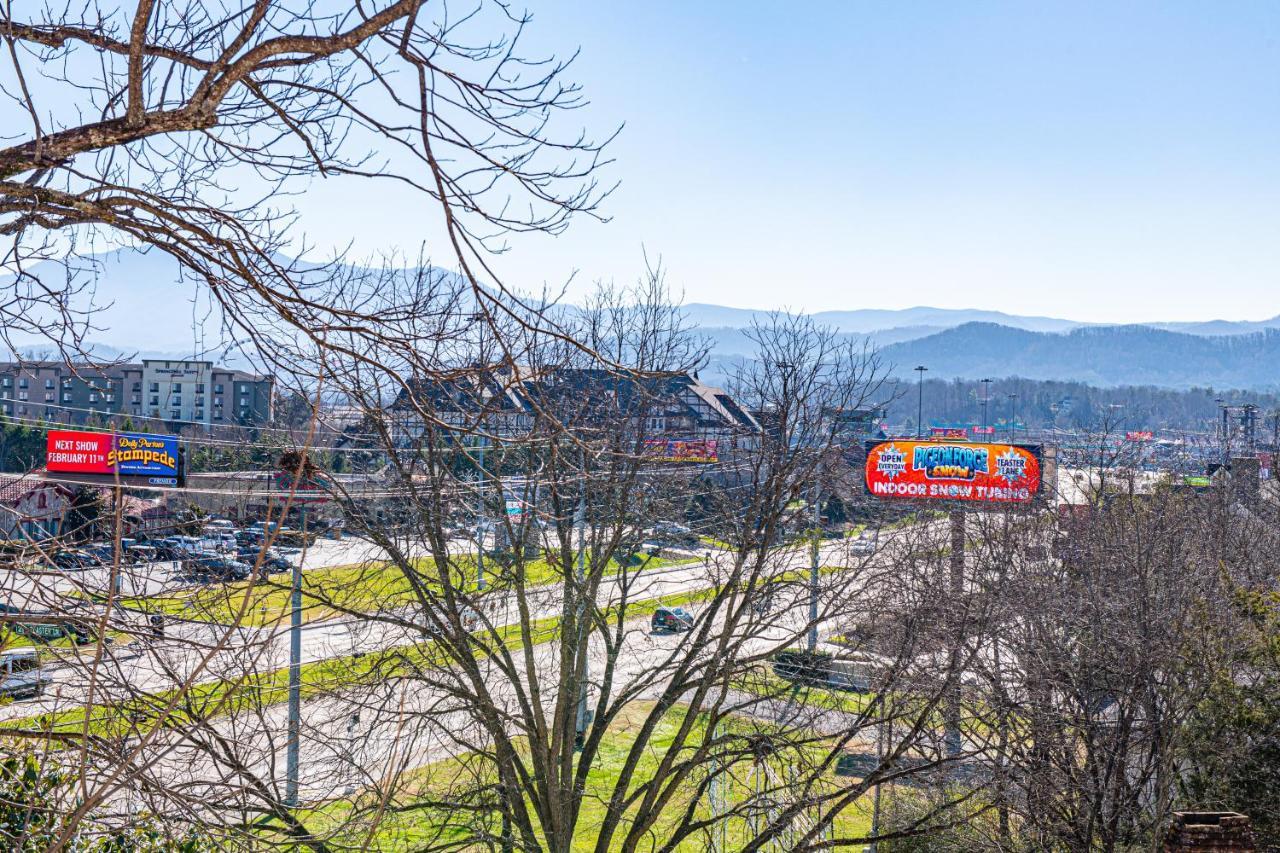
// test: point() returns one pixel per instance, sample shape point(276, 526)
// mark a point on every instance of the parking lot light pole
point(295, 674)
point(986, 396)
point(920, 371)
point(813, 577)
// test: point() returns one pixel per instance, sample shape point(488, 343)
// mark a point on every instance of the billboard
point(983, 430)
point(1143, 435)
point(956, 433)
point(681, 450)
point(953, 471)
point(135, 458)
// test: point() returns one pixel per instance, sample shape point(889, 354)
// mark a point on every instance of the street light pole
point(295, 674)
point(986, 395)
point(813, 576)
point(1013, 424)
point(920, 371)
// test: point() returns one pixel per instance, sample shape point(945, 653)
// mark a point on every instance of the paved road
point(339, 751)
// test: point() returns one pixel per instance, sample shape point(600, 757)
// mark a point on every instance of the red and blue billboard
point(134, 456)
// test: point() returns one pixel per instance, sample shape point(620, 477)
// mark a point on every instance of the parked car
point(21, 676)
point(273, 562)
point(75, 560)
point(215, 567)
point(216, 540)
point(223, 524)
point(671, 620)
point(249, 536)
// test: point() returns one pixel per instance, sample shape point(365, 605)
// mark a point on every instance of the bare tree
point(186, 128)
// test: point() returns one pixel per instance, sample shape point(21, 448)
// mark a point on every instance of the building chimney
point(1209, 832)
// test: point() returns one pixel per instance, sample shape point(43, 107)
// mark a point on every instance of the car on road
point(21, 676)
point(862, 546)
point(671, 620)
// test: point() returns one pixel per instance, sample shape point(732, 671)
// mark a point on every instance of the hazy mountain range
point(143, 307)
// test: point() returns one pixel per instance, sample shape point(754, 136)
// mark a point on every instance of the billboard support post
point(956, 593)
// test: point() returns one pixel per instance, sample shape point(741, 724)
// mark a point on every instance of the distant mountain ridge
point(144, 307)
point(1098, 355)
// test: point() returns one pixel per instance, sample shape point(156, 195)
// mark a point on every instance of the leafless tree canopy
point(187, 127)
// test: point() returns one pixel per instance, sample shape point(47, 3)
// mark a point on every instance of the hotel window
point(66, 398)
point(22, 395)
point(199, 387)
point(155, 387)
point(217, 389)
point(48, 383)
point(176, 387)
point(22, 383)
point(155, 400)
point(93, 398)
point(175, 415)
point(8, 381)
point(49, 396)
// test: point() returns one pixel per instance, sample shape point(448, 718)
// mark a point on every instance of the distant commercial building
point(181, 393)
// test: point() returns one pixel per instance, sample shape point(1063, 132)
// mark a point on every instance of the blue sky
point(1099, 161)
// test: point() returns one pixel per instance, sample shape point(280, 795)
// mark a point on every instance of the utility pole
point(1013, 423)
point(920, 371)
point(295, 674)
point(813, 575)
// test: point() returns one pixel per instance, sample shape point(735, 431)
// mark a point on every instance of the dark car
point(671, 620)
point(272, 561)
point(212, 567)
point(75, 560)
point(251, 536)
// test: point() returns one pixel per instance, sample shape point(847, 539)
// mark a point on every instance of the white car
point(862, 546)
point(20, 674)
